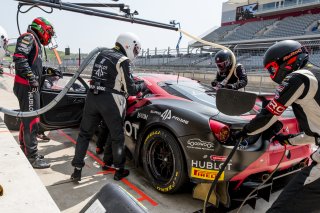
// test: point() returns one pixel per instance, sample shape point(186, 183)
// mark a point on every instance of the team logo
point(166, 114)
point(276, 108)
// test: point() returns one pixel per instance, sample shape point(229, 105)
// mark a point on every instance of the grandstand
point(248, 27)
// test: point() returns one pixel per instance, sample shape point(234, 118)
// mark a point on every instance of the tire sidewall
point(179, 176)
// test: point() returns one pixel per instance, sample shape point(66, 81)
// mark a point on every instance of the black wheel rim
point(161, 160)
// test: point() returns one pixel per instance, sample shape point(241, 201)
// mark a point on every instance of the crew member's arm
point(128, 83)
point(217, 80)
point(24, 45)
point(242, 78)
point(291, 88)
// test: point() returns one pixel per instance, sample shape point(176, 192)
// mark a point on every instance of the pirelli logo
point(205, 174)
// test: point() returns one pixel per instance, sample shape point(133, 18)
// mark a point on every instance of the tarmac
point(52, 187)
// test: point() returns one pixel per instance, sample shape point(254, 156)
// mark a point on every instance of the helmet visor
point(5, 42)
point(136, 50)
point(222, 65)
point(272, 68)
point(50, 30)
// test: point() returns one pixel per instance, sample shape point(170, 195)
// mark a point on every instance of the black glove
point(219, 86)
point(214, 83)
point(49, 71)
point(229, 86)
point(240, 134)
point(283, 139)
point(143, 87)
point(34, 85)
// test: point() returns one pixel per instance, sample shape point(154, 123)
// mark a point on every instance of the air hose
point(83, 65)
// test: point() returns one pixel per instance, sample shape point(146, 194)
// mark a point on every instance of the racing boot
point(121, 173)
point(107, 166)
point(76, 175)
point(37, 162)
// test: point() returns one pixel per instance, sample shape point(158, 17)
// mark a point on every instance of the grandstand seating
point(272, 28)
point(248, 30)
point(292, 26)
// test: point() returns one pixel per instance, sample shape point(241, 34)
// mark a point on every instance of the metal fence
point(250, 55)
point(202, 59)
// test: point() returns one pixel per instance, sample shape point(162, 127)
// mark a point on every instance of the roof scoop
point(233, 102)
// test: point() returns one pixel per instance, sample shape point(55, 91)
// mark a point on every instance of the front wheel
point(163, 161)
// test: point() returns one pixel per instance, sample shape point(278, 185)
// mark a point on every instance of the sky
point(87, 32)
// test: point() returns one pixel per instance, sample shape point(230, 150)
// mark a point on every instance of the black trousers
point(103, 133)
point(302, 194)
point(111, 108)
point(28, 101)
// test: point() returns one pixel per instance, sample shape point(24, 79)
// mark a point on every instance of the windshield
point(194, 91)
point(191, 90)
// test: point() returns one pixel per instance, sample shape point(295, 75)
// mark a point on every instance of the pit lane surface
point(71, 197)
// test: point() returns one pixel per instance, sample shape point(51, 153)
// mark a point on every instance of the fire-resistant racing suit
point(237, 81)
point(28, 64)
point(111, 82)
point(301, 89)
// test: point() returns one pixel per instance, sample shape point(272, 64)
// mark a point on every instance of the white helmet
point(3, 42)
point(130, 43)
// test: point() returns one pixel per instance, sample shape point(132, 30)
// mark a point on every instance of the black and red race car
point(177, 134)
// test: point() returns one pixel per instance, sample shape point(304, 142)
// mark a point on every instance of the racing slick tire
point(163, 161)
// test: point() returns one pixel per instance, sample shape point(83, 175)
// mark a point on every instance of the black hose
point(83, 65)
point(214, 183)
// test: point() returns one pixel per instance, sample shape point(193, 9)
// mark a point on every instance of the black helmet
point(283, 58)
point(223, 60)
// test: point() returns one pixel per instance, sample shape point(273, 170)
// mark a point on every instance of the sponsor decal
point(196, 143)
point(100, 67)
point(280, 88)
point(142, 115)
point(205, 174)
point(22, 49)
point(171, 186)
point(209, 165)
point(155, 112)
point(167, 115)
point(275, 107)
point(292, 54)
point(25, 41)
point(152, 134)
point(218, 158)
point(131, 129)
point(30, 98)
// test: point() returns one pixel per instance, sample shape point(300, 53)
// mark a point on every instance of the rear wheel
point(163, 161)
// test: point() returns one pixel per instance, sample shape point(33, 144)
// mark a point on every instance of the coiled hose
point(46, 108)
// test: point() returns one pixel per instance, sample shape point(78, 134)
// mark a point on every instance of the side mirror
point(232, 102)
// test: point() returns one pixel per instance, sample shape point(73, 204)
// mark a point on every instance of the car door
point(68, 111)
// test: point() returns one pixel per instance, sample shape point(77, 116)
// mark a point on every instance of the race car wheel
point(163, 161)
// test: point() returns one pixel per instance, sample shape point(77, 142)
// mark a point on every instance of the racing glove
point(214, 83)
point(34, 85)
point(283, 139)
point(143, 87)
point(240, 134)
point(49, 71)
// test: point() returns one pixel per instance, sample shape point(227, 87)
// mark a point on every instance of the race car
point(175, 132)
